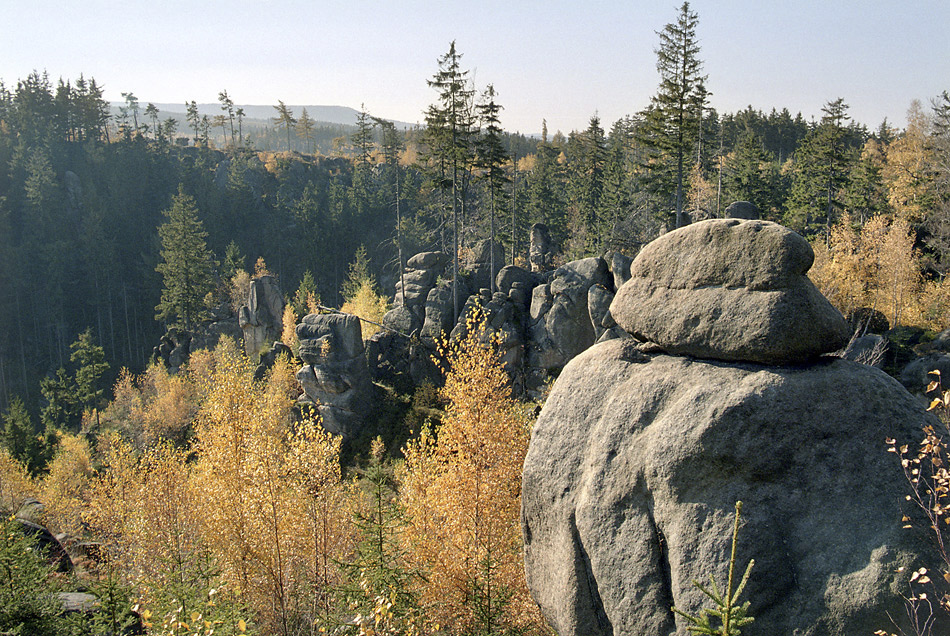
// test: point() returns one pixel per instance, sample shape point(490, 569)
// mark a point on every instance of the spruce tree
point(749, 172)
point(544, 189)
point(822, 164)
point(193, 118)
point(453, 120)
point(285, 119)
point(672, 121)
point(616, 199)
point(187, 264)
point(589, 182)
point(20, 439)
point(62, 409)
point(492, 157)
point(227, 105)
point(362, 141)
point(305, 126)
point(91, 365)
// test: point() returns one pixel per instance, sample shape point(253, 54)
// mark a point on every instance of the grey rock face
point(916, 376)
point(440, 312)
point(262, 318)
point(598, 307)
point(428, 260)
point(742, 210)
point(637, 460)
point(563, 329)
point(270, 358)
point(336, 377)
point(870, 349)
point(411, 305)
point(479, 263)
point(619, 267)
point(511, 274)
point(402, 319)
point(541, 249)
point(730, 290)
point(173, 350)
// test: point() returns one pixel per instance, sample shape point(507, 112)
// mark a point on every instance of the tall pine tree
point(187, 266)
point(492, 157)
point(672, 121)
point(452, 118)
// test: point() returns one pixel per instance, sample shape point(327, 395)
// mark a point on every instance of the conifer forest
point(202, 496)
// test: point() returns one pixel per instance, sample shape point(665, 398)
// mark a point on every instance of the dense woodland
point(88, 206)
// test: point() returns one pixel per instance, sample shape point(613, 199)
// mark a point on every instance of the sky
point(555, 60)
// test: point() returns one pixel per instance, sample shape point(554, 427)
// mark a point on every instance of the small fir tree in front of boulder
point(28, 601)
point(730, 615)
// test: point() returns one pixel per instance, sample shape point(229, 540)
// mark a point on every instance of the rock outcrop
point(742, 210)
point(541, 250)
point(730, 290)
point(643, 448)
point(335, 377)
point(479, 263)
point(410, 305)
point(560, 326)
point(261, 318)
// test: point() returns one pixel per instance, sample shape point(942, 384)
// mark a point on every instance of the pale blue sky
point(547, 59)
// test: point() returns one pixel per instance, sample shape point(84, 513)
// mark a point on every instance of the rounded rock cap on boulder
point(730, 289)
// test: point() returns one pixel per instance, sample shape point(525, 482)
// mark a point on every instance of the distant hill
point(340, 115)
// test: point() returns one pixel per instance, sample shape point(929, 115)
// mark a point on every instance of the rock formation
point(262, 318)
point(173, 349)
point(742, 210)
point(479, 263)
point(643, 448)
point(560, 325)
point(335, 377)
point(540, 319)
point(730, 290)
point(420, 278)
point(541, 250)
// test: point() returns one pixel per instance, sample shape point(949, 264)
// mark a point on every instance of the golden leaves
point(462, 487)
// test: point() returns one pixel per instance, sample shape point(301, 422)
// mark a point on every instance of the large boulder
point(479, 263)
point(511, 274)
point(619, 267)
point(440, 311)
point(730, 290)
point(869, 349)
point(917, 376)
point(411, 306)
point(742, 210)
point(638, 458)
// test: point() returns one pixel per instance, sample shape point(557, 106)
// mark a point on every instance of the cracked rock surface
point(637, 460)
point(642, 450)
point(730, 289)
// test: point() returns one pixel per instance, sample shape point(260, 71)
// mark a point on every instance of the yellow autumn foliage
point(15, 484)
point(462, 495)
point(271, 494)
point(369, 305)
point(878, 267)
point(289, 333)
point(65, 489)
point(153, 407)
